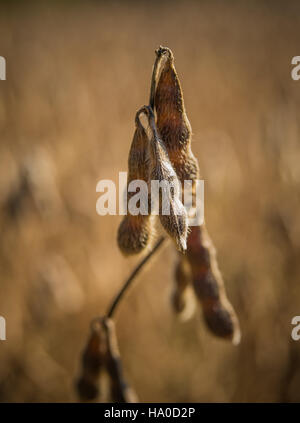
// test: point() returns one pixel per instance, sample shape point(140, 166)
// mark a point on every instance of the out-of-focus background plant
point(75, 74)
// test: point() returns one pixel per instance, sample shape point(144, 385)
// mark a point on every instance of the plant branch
point(131, 278)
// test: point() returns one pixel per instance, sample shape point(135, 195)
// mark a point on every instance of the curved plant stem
point(130, 279)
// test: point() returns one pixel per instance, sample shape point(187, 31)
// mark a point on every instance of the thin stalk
point(131, 278)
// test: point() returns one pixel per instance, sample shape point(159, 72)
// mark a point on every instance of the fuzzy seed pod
point(93, 360)
point(120, 390)
point(209, 287)
point(134, 232)
point(172, 121)
point(102, 355)
point(172, 213)
point(176, 226)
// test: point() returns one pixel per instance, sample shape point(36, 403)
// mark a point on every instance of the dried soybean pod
point(93, 361)
point(209, 287)
point(172, 121)
point(134, 232)
point(120, 390)
point(155, 72)
point(137, 160)
point(172, 213)
point(176, 227)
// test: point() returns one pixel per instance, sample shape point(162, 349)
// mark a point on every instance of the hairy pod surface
point(134, 232)
point(172, 121)
point(172, 213)
point(209, 287)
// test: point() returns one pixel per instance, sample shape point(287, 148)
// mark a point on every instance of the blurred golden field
point(76, 74)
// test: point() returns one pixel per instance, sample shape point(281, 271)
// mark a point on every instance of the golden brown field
point(76, 74)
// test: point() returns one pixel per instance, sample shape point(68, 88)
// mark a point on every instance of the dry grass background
point(76, 74)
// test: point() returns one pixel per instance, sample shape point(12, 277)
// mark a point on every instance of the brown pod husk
point(120, 390)
point(100, 355)
point(134, 233)
point(209, 287)
point(176, 227)
point(161, 170)
point(172, 121)
point(93, 361)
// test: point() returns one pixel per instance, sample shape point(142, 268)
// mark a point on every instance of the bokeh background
point(76, 73)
